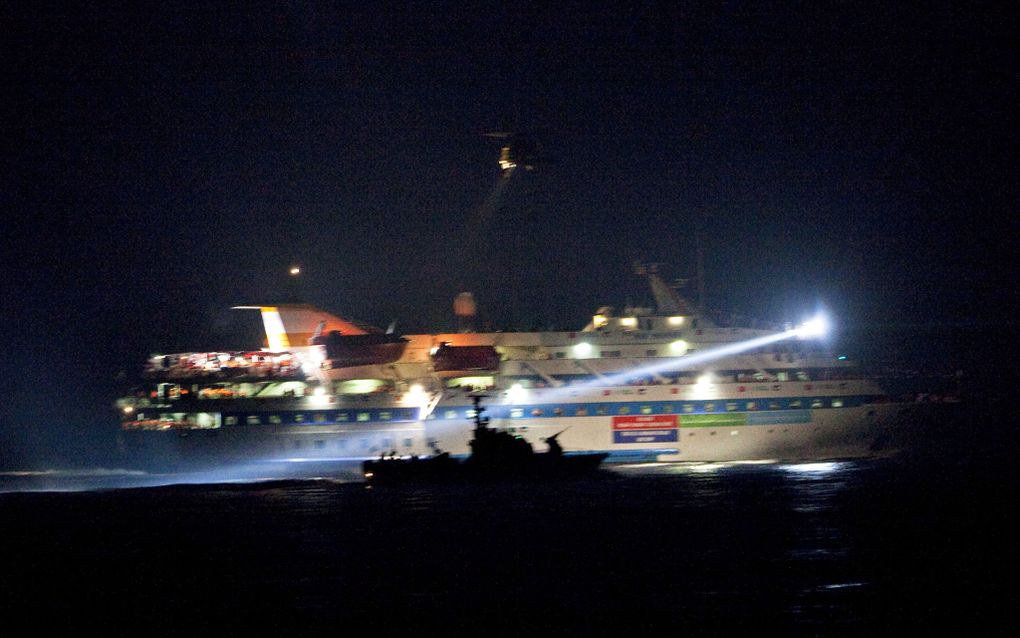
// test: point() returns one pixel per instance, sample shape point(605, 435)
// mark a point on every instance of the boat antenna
point(481, 422)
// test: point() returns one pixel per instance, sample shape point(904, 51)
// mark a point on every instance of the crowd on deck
point(223, 365)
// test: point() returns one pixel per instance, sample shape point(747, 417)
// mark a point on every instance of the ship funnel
point(465, 308)
point(296, 325)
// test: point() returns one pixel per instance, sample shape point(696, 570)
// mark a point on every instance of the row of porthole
point(341, 444)
point(736, 432)
point(751, 406)
point(320, 418)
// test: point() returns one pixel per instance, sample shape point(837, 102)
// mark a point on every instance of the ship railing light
point(582, 349)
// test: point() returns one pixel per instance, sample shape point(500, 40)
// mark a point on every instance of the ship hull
point(629, 425)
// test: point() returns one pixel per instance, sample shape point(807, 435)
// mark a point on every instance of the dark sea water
point(920, 543)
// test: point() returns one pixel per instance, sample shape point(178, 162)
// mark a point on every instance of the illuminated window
point(385, 416)
point(516, 413)
point(364, 416)
point(837, 403)
point(299, 418)
point(751, 405)
point(253, 420)
point(796, 405)
point(231, 420)
point(646, 409)
point(774, 405)
point(450, 414)
point(709, 407)
point(536, 412)
point(623, 410)
point(342, 416)
point(558, 411)
point(275, 419)
point(731, 407)
point(817, 403)
point(688, 407)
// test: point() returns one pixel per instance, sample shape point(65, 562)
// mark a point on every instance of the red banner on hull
point(650, 428)
point(645, 422)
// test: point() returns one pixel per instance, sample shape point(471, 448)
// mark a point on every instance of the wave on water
point(73, 473)
point(107, 478)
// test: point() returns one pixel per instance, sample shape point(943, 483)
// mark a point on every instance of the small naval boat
point(495, 454)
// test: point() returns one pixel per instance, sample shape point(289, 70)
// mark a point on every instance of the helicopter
point(518, 149)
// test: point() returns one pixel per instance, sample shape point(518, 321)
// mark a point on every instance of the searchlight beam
point(815, 328)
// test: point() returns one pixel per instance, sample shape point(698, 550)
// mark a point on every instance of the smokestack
point(465, 309)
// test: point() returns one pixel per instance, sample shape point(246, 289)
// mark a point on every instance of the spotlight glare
point(516, 393)
point(815, 327)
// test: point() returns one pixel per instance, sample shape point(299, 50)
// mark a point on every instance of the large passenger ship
point(646, 384)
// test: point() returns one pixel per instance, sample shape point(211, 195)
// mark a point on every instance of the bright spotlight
point(816, 327)
point(582, 349)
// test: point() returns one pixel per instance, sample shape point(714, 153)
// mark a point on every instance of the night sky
point(166, 162)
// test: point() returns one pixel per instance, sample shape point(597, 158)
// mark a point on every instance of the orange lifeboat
point(448, 358)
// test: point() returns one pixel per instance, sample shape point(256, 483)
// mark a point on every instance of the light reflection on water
point(99, 478)
point(798, 548)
